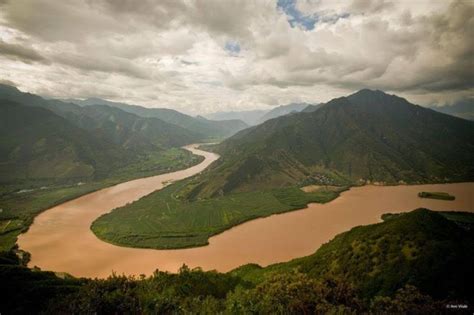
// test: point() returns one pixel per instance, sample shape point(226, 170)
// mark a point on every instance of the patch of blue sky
point(233, 47)
point(297, 18)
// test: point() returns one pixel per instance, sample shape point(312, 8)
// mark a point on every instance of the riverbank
point(20, 206)
point(387, 267)
point(164, 220)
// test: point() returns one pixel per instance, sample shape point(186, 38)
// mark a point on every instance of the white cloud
point(173, 53)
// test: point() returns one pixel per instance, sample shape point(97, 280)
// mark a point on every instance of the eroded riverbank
point(60, 239)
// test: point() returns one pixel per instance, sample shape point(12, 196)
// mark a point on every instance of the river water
point(60, 238)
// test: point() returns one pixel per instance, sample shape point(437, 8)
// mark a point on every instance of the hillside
point(109, 123)
point(132, 131)
point(37, 144)
point(368, 136)
point(430, 250)
point(413, 263)
point(205, 129)
point(462, 109)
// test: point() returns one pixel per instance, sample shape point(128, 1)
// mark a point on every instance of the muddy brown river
point(60, 238)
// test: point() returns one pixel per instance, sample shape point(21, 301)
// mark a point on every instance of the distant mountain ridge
point(368, 136)
point(250, 117)
point(207, 129)
point(255, 117)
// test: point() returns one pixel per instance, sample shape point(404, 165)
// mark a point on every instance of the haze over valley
point(234, 157)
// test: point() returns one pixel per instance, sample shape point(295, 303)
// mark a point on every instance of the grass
point(436, 195)
point(165, 220)
point(19, 208)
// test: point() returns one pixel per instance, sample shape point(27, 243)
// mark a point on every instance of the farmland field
point(163, 219)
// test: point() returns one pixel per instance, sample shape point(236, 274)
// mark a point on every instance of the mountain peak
point(369, 92)
point(376, 97)
point(7, 87)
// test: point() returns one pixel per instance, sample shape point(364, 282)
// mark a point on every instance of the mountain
point(284, 110)
point(89, 142)
point(367, 136)
point(312, 108)
point(255, 117)
point(132, 131)
point(113, 124)
point(206, 129)
point(37, 144)
point(250, 117)
point(463, 109)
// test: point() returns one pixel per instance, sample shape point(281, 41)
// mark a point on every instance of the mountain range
point(45, 141)
point(204, 128)
point(366, 137)
point(255, 117)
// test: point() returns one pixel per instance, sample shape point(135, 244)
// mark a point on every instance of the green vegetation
point(367, 136)
point(430, 250)
point(165, 219)
point(338, 278)
point(19, 204)
point(52, 151)
point(436, 195)
point(50, 142)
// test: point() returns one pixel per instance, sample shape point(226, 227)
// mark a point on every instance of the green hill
point(413, 263)
point(37, 144)
point(430, 250)
point(204, 128)
point(132, 131)
point(111, 124)
point(367, 136)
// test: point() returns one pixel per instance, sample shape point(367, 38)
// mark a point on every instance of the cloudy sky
point(215, 55)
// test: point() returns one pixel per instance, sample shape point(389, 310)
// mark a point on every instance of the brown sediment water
point(60, 238)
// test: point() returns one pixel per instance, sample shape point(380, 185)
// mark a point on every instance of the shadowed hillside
point(368, 136)
point(430, 250)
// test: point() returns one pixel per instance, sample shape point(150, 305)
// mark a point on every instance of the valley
point(66, 229)
point(236, 157)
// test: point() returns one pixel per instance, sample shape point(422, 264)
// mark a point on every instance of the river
point(60, 238)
